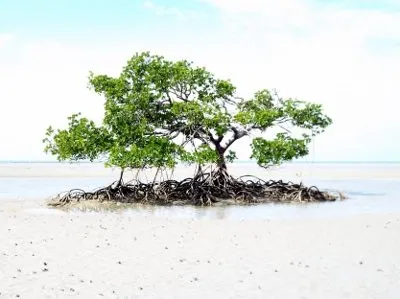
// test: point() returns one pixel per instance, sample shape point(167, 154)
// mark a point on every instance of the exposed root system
point(203, 189)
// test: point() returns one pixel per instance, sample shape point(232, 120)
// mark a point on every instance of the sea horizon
point(238, 161)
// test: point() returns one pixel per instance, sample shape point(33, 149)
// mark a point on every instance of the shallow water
point(371, 188)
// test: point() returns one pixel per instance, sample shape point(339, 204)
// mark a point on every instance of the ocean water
point(370, 187)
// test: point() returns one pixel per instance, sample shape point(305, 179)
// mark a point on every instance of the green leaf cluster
point(283, 148)
point(158, 113)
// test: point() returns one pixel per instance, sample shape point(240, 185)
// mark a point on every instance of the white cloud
point(301, 16)
point(164, 10)
point(5, 38)
point(316, 53)
point(327, 55)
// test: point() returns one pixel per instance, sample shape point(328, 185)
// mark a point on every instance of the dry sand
point(115, 255)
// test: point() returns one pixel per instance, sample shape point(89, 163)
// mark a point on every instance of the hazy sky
point(343, 54)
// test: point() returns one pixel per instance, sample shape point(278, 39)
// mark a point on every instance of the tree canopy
point(158, 113)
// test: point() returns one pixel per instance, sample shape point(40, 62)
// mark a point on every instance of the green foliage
point(159, 113)
point(83, 140)
point(202, 155)
point(282, 148)
point(153, 152)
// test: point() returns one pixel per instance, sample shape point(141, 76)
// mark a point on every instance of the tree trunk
point(121, 177)
point(199, 170)
point(221, 163)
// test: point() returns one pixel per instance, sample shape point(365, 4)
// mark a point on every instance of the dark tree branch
point(237, 134)
point(287, 130)
point(179, 95)
point(168, 97)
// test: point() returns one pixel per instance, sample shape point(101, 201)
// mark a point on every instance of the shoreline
point(295, 171)
point(259, 212)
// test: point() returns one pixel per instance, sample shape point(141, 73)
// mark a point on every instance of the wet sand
point(289, 171)
point(116, 255)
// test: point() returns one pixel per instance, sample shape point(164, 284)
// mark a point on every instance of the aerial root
point(204, 189)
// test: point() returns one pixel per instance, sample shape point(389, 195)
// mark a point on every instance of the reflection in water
point(140, 210)
point(366, 196)
point(355, 205)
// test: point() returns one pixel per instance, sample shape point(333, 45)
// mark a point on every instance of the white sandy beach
point(45, 254)
point(120, 256)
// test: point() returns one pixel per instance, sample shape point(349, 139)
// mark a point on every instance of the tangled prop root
point(203, 189)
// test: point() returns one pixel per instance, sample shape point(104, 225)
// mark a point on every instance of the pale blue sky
point(343, 54)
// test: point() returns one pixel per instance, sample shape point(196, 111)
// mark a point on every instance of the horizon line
point(238, 161)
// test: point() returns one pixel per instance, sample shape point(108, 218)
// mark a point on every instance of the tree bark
point(220, 149)
point(221, 163)
point(121, 176)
